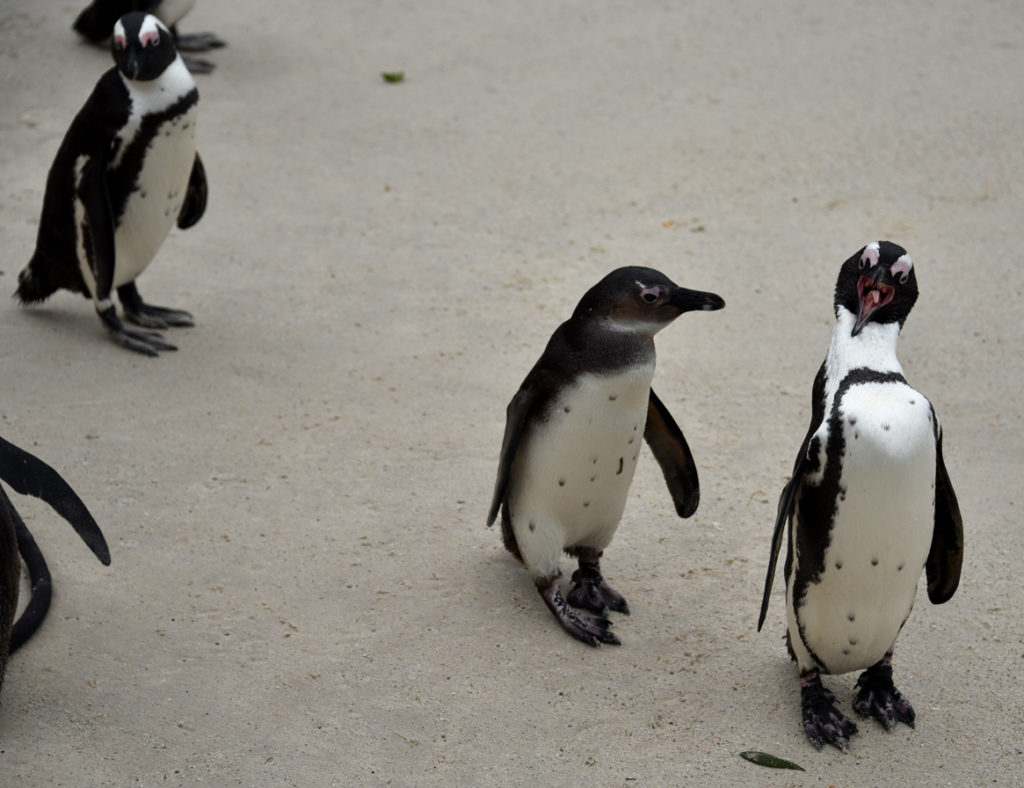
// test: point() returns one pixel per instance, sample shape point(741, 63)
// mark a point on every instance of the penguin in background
point(126, 171)
point(869, 505)
point(28, 475)
point(95, 22)
point(572, 439)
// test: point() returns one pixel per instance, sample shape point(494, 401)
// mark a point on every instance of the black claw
point(591, 592)
point(823, 722)
point(878, 697)
point(589, 629)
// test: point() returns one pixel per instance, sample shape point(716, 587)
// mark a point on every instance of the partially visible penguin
point(126, 172)
point(95, 22)
point(869, 505)
point(29, 475)
point(572, 438)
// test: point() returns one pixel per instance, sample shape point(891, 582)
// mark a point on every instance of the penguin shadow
point(69, 324)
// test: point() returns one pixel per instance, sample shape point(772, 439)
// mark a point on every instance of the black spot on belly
point(856, 436)
point(593, 460)
point(635, 426)
point(853, 420)
point(853, 641)
point(561, 482)
point(586, 504)
point(592, 478)
point(874, 562)
point(839, 564)
point(913, 402)
point(142, 194)
point(566, 408)
point(846, 652)
point(612, 397)
point(885, 427)
point(620, 466)
point(851, 617)
point(533, 525)
point(630, 441)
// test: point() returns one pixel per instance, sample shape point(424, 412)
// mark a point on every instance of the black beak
point(695, 300)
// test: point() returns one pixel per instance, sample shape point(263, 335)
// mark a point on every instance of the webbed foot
point(823, 722)
point(146, 342)
point(591, 592)
point(590, 629)
point(878, 697)
point(146, 315)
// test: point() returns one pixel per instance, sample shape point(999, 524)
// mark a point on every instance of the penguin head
point(641, 300)
point(142, 46)
point(877, 284)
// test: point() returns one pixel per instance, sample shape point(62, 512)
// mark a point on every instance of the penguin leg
point(146, 342)
point(823, 722)
point(878, 697)
point(591, 630)
point(147, 315)
point(590, 591)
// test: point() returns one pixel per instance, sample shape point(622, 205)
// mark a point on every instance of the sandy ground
point(303, 591)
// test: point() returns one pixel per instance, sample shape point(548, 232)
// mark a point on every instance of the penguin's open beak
point(872, 295)
point(695, 300)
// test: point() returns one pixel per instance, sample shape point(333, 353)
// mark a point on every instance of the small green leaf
point(393, 76)
point(764, 759)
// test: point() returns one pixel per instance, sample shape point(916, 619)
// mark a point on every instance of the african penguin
point(572, 438)
point(96, 20)
point(869, 505)
point(126, 171)
point(29, 475)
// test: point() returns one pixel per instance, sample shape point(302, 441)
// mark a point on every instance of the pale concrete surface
point(303, 591)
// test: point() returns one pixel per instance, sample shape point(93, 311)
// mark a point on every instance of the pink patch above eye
point(901, 268)
point(119, 42)
point(870, 256)
point(149, 38)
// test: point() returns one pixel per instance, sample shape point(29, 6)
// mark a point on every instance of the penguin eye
point(149, 39)
point(650, 294)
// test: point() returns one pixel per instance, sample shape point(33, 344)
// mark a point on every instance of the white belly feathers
point(571, 479)
point(882, 529)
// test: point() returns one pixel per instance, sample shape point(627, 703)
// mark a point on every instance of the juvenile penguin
point(572, 438)
point(125, 172)
point(96, 20)
point(29, 475)
point(869, 505)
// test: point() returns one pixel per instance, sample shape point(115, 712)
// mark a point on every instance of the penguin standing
point(29, 475)
point(869, 505)
point(126, 171)
point(572, 438)
point(96, 20)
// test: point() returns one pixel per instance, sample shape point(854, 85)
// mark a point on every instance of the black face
point(642, 299)
point(878, 285)
point(142, 46)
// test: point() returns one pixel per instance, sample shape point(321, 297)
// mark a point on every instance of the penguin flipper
point(673, 455)
point(38, 574)
point(195, 196)
point(787, 497)
point(95, 197)
point(28, 475)
point(946, 555)
point(516, 414)
point(786, 500)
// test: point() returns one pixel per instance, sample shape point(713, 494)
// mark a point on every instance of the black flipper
point(39, 579)
point(195, 196)
point(516, 414)
point(95, 197)
point(28, 475)
point(787, 498)
point(673, 455)
point(946, 555)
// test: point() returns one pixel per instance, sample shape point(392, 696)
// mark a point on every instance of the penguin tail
point(33, 283)
point(39, 578)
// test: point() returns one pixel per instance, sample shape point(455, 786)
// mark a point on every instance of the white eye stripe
point(870, 255)
point(902, 268)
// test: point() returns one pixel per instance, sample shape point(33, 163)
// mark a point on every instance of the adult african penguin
point(125, 173)
point(95, 22)
point(572, 438)
point(29, 475)
point(869, 505)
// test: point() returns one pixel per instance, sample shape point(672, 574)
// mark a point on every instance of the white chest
point(882, 529)
point(574, 472)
